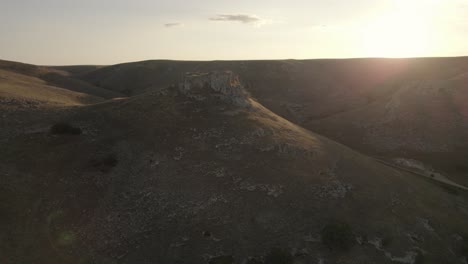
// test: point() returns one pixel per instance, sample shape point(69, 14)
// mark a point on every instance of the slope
point(202, 173)
point(60, 77)
point(395, 108)
point(18, 90)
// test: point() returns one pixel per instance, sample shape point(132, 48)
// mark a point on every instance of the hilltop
point(410, 109)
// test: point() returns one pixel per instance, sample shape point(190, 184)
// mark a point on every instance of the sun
point(395, 36)
point(402, 32)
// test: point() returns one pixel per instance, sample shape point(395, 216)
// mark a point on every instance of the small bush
point(337, 236)
point(109, 161)
point(419, 258)
point(106, 163)
point(464, 247)
point(63, 128)
point(461, 168)
point(386, 241)
point(278, 256)
point(254, 261)
point(222, 260)
point(365, 239)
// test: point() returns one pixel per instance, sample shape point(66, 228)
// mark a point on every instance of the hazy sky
point(112, 31)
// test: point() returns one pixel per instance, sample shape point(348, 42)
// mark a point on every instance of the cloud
point(170, 25)
point(243, 18)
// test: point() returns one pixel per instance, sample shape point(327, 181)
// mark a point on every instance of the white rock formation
point(224, 84)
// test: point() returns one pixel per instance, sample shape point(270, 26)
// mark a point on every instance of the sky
point(67, 32)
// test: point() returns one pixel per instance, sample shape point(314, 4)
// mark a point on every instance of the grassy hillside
point(60, 77)
point(203, 173)
point(23, 91)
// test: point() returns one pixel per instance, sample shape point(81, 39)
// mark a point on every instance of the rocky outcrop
point(223, 84)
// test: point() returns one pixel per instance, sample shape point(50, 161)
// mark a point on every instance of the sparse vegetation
point(278, 256)
point(63, 128)
point(106, 163)
point(338, 236)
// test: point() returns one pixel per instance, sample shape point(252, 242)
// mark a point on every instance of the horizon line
point(239, 60)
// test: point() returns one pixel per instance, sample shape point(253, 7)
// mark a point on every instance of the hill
point(22, 90)
point(201, 172)
point(391, 108)
point(42, 83)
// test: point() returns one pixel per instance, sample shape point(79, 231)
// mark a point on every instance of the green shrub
point(278, 256)
point(337, 236)
point(63, 128)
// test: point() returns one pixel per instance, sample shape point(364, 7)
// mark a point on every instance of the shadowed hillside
point(200, 172)
point(394, 108)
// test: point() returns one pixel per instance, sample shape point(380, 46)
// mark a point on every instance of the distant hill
point(23, 90)
point(58, 77)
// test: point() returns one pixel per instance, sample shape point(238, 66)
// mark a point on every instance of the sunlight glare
point(403, 31)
